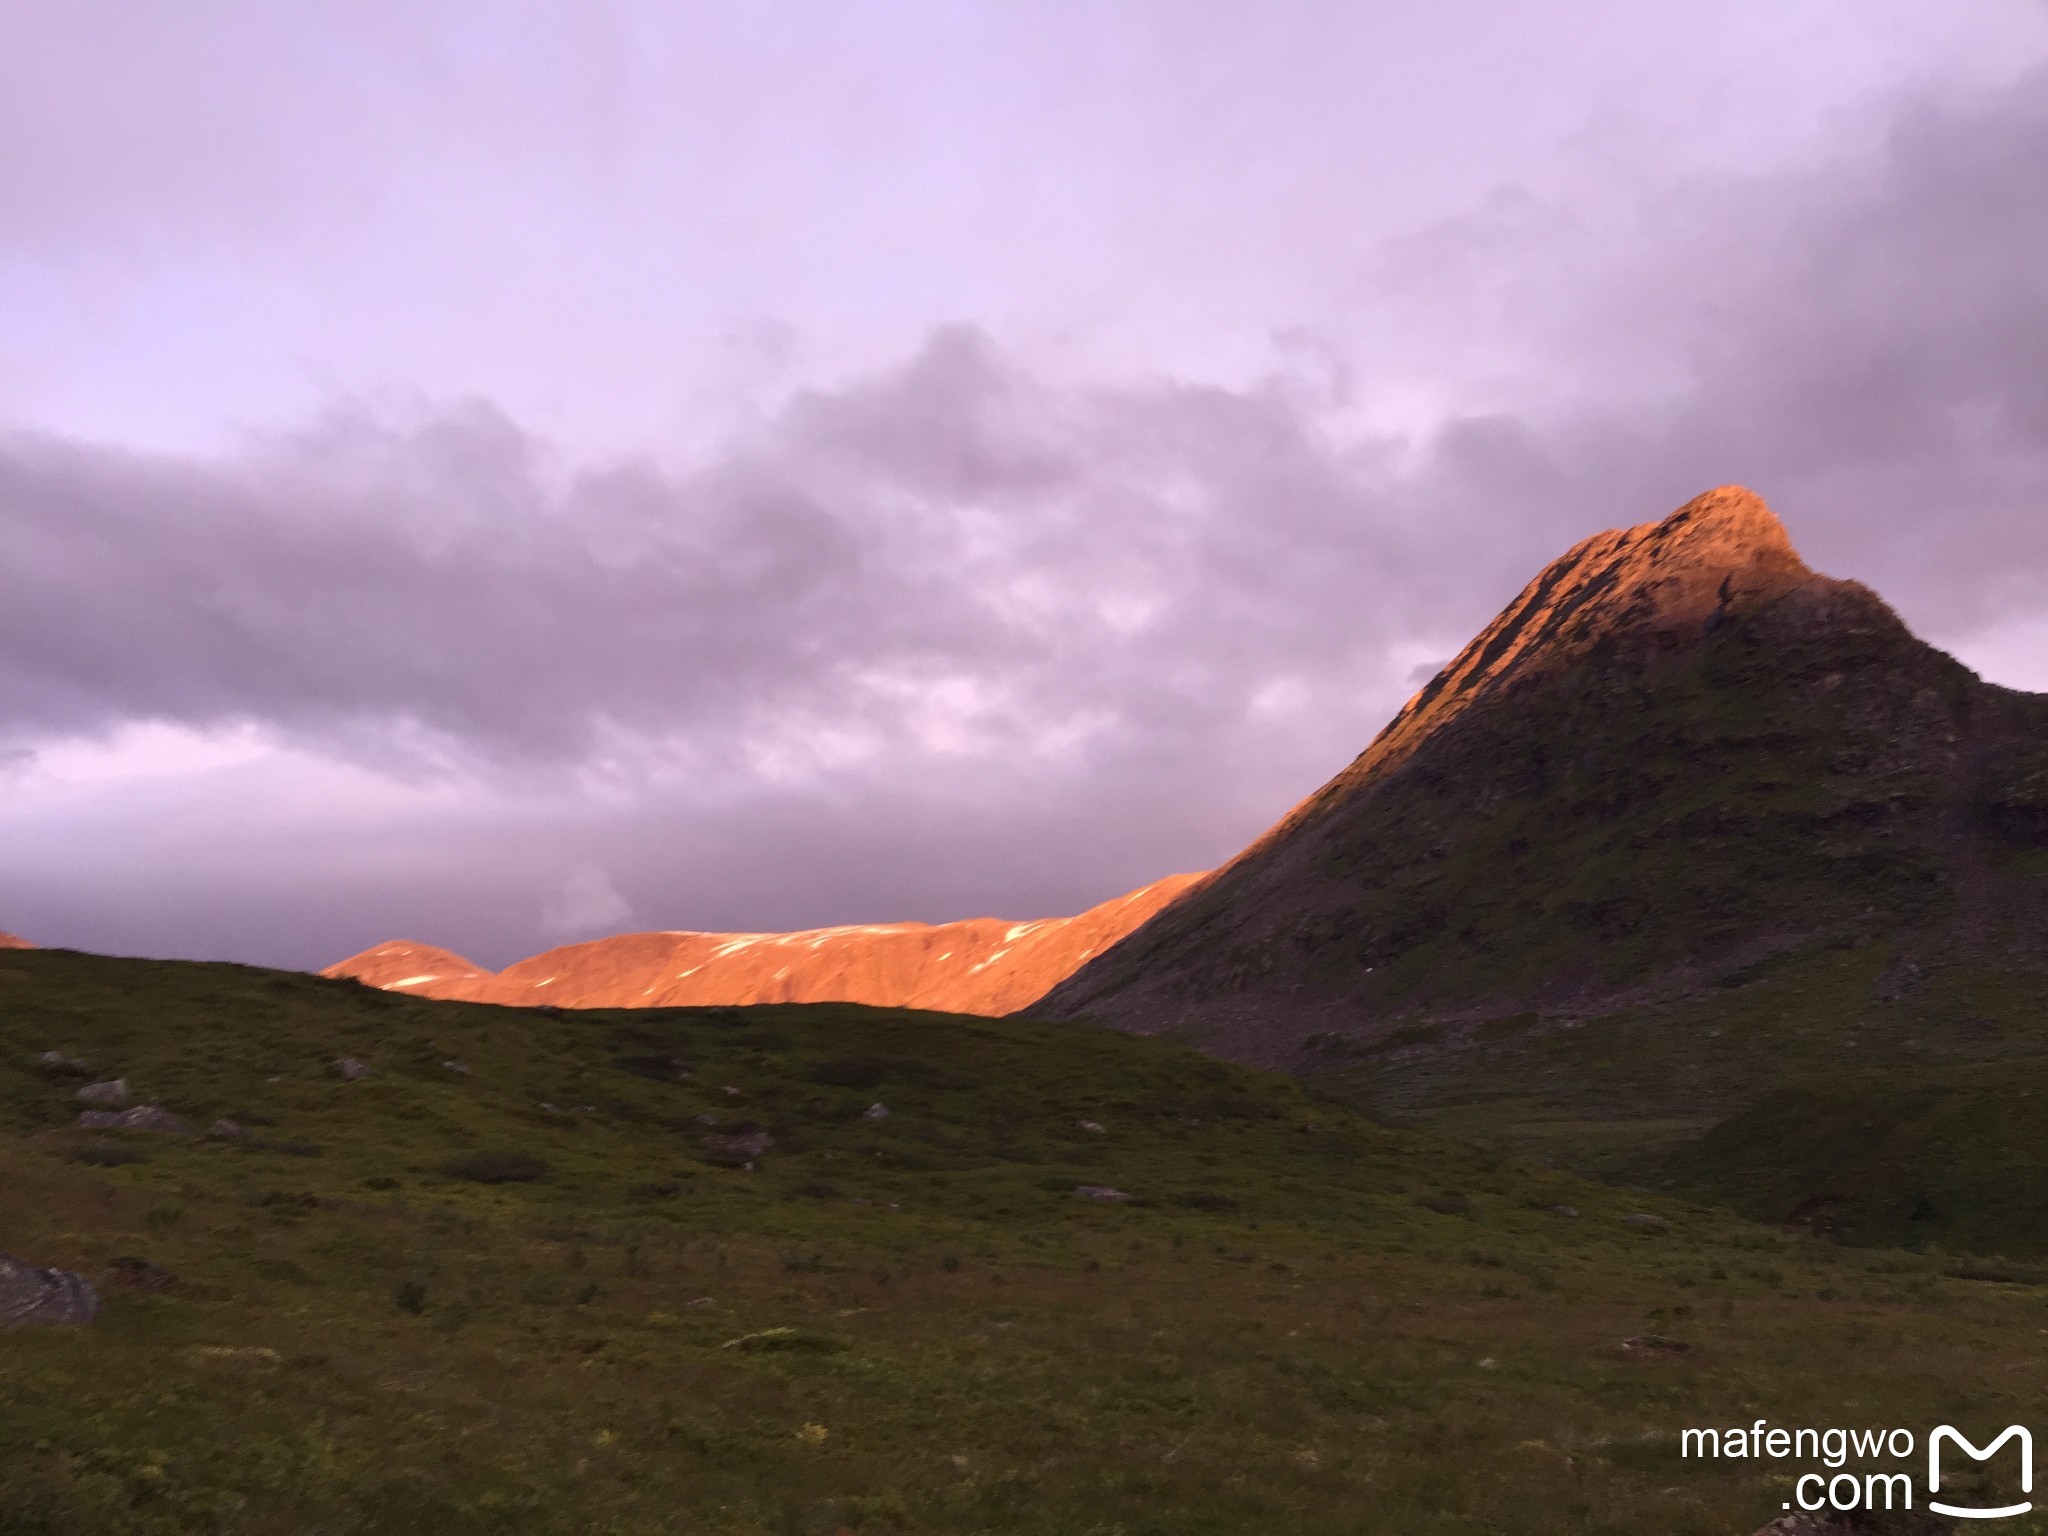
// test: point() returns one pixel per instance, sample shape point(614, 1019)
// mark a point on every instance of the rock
point(739, 1146)
point(875, 1112)
point(349, 1068)
point(139, 1273)
point(57, 1064)
point(109, 1095)
point(456, 1067)
point(1101, 1192)
point(228, 1130)
point(143, 1117)
point(1564, 1210)
point(1092, 1128)
point(32, 1297)
point(234, 1354)
point(1647, 1223)
point(1654, 1344)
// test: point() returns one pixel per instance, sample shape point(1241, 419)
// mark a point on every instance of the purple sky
point(495, 474)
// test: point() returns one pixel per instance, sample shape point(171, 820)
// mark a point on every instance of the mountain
point(1677, 757)
point(9, 941)
point(981, 965)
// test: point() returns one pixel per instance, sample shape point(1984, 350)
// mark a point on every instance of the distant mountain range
point(981, 965)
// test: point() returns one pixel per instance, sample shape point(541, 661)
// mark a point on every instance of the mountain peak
point(1727, 533)
point(1653, 587)
point(1677, 747)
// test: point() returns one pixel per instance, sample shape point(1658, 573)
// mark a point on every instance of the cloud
point(1029, 639)
point(585, 903)
point(948, 558)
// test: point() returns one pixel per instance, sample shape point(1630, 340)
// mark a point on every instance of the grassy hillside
point(1888, 1106)
point(1956, 1159)
point(1301, 1321)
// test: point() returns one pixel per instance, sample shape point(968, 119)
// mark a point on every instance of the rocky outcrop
point(980, 965)
point(31, 1296)
point(1676, 751)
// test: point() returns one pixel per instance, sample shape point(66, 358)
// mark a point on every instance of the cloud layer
point(961, 611)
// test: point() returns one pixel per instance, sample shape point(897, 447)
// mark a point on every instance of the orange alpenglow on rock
point(9, 941)
point(981, 965)
point(1657, 586)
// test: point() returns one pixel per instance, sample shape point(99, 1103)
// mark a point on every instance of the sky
point(498, 474)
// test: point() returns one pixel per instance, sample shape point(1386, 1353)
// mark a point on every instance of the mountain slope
point(9, 941)
point(981, 965)
point(1677, 752)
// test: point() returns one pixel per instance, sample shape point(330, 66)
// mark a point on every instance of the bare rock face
point(9, 941)
point(31, 1296)
point(981, 965)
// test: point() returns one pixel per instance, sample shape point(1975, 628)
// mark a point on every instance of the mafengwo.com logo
point(1998, 1487)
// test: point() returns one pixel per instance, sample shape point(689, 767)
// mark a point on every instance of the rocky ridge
point(979, 965)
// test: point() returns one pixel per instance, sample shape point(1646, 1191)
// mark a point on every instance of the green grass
point(1302, 1322)
point(1955, 1159)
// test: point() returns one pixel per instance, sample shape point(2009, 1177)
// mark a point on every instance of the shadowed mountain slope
point(981, 965)
point(1676, 753)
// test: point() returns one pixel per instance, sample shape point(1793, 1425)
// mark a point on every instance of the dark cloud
point(947, 559)
point(953, 638)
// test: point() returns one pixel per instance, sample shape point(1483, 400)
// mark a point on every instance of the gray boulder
point(32, 1297)
point(739, 1146)
point(1102, 1193)
point(57, 1064)
point(108, 1095)
point(349, 1068)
